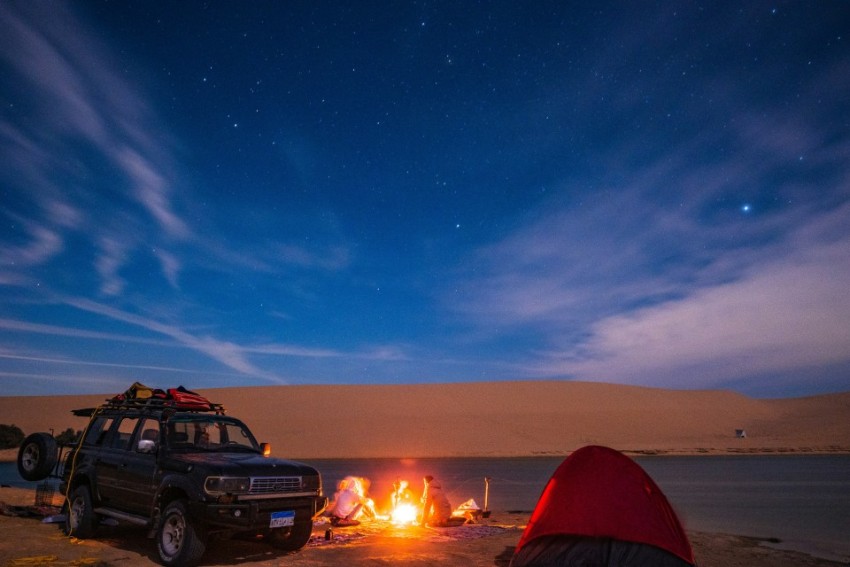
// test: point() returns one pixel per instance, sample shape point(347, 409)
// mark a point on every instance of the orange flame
point(404, 511)
point(404, 514)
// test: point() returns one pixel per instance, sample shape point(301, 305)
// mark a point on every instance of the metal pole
point(486, 491)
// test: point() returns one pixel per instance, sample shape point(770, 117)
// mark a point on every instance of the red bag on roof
point(186, 399)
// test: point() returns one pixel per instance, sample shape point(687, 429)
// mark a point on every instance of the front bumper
point(255, 514)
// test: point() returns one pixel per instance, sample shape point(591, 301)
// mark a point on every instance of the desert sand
point(498, 419)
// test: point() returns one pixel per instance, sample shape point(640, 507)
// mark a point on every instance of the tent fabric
point(551, 551)
point(599, 494)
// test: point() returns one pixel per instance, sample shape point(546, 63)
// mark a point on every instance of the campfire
point(404, 514)
point(405, 508)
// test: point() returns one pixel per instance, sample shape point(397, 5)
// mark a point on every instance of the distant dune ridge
point(498, 419)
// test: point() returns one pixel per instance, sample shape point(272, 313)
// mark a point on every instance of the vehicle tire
point(294, 537)
point(37, 456)
point(80, 519)
point(179, 541)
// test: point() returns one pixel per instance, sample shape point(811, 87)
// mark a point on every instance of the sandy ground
point(28, 541)
point(498, 419)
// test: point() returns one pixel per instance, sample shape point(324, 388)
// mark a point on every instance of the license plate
point(282, 519)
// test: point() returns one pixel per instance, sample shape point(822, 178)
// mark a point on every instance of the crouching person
point(349, 503)
point(436, 510)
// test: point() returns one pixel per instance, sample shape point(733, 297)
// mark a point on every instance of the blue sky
point(323, 193)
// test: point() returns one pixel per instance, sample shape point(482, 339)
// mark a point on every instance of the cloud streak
point(225, 352)
point(782, 317)
point(84, 118)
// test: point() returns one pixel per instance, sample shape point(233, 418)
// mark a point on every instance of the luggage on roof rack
point(140, 396)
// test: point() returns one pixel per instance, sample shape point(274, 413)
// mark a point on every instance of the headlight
point(218, 485)
point(312, 483)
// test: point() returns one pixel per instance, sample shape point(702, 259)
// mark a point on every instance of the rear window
point(97, 430)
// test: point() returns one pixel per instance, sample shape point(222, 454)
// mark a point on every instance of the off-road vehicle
point(186, 472)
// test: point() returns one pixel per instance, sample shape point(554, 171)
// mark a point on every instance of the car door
point(139, 467)
point(110, 459)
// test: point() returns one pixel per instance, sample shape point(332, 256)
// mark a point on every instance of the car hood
point(242, 464)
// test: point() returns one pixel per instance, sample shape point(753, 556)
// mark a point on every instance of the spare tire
point(37, 456)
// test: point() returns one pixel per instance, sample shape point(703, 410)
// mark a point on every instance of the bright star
point(746, 208)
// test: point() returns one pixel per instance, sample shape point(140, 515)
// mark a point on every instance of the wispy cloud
point(108, 264)
point(787, 314)
point(230, 354)
point(224, 352)
point(151, 189)
point(71, 362)
point(292, 350)
point(93, 164)
point(43, 244)
point(83, 120)
point(61, 331)
point(170, 265)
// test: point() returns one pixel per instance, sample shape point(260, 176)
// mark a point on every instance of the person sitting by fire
point(368, 504)
point(436, 510)
point(349, 503)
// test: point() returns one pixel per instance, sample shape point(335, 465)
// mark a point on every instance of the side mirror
point(146, 446)
point(266, 448)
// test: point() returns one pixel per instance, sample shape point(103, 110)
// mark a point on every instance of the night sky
point(262, 193)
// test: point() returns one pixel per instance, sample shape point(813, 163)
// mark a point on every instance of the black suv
point(184, 474)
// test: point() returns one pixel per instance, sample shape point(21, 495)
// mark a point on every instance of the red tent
point(601, 508)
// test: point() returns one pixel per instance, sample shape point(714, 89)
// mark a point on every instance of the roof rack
point(153, 403)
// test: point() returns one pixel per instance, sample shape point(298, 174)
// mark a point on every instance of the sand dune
point(498, 419)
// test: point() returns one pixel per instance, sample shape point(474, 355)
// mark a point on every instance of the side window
point(149, 431)
point(96, 433)
point(125, 431)
point(178, 434)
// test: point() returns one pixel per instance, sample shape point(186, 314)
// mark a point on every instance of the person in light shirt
point(349, 502)
point(436, 509)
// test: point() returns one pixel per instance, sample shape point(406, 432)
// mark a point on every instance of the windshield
point(209, 433)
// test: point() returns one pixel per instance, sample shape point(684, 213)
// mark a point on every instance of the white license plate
point(282, 519)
